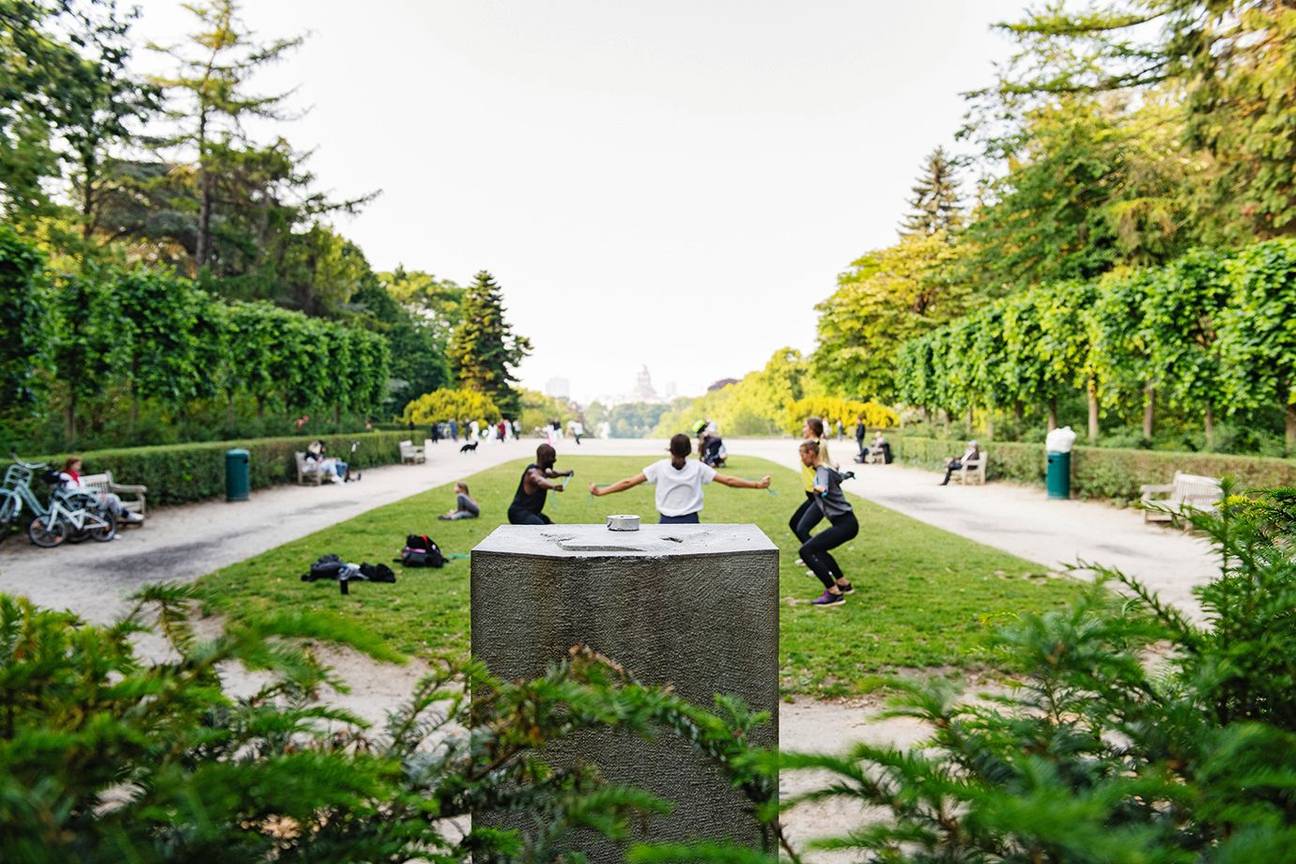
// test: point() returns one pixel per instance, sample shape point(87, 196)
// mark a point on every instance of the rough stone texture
point(692, 606)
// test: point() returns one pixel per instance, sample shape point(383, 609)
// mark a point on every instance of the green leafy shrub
point(105, 758)
point(1106, 751)
point(181, 473)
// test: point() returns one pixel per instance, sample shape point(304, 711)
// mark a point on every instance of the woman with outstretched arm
point(678, 481)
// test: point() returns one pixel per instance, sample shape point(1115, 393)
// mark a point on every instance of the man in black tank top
point(529, 500)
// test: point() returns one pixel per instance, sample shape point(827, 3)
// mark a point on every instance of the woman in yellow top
point(808, 515)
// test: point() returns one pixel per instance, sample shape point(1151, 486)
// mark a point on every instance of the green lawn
point(924, 597)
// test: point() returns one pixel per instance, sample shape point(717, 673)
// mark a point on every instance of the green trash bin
point(238, 475)
point(1058, 478)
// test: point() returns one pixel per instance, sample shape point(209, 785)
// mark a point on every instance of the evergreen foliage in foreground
point(1106, 751)
point(105, 758)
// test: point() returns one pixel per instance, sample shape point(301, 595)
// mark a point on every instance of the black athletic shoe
point(848, 588)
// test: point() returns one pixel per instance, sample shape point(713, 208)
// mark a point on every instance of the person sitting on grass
point(465, 507)
point(70, 481)
point(537, 479)
point(971, 454)
point(843, 527)
point(679, 482)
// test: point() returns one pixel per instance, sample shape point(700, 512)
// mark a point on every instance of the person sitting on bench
point(971, 454)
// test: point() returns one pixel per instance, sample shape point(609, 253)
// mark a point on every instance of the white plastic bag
point(1060, 440)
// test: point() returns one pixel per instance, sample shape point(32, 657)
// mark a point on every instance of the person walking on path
point(860, 432)
point(808, 515)
point(678, 481)
point(537, 479)
point(843, 527)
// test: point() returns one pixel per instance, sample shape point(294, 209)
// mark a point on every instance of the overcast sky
point(673, 183)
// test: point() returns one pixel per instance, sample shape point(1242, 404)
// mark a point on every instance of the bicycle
point(71, 515)
point(15, 492)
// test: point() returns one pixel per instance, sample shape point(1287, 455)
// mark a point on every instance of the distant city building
point(559, 388)
point(643, 391)
point(723, 382)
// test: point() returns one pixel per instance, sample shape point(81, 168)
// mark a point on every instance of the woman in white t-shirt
point(679, 482)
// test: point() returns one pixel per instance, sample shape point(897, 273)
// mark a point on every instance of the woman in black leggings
point(843, 528)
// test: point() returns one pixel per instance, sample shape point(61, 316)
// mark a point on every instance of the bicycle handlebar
point(35, 466)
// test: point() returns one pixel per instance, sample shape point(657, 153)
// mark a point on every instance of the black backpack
point(421, 551)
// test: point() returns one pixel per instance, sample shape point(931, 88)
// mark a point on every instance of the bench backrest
point(98, 482)
point(1195, 487)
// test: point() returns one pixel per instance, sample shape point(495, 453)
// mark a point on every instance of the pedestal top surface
point(577, 541)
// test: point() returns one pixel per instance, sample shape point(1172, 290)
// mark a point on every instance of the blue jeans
point(686, 519)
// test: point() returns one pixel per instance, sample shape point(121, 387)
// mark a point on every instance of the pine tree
point(936, 205)
point(484, 350)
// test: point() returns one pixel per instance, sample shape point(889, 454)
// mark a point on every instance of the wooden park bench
point(973, 471)
point(1164, 502)
point(411, 453)
point(311, 476)
point(875, 456)
point(131, 495)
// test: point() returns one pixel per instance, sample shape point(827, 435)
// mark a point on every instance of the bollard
point(690, 606)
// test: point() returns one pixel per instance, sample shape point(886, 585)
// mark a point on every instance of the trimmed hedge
point(1103, 472)
point(182, 473)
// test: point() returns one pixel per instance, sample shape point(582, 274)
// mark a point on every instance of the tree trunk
point(1149, 411)
point(204, 223)
point(72, 420)
point(1052, 413)
point(1093, 411)
point(989, 433)
point(1209, 423)
point(1019, 411)
point(971, 417)
point(1291, 428)
point(203, 241)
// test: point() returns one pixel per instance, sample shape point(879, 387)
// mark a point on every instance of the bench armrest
point(1154, 488)
point(133, 488)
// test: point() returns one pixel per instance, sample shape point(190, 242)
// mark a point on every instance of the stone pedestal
point(692, 606)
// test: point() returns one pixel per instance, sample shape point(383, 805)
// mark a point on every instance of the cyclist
point(70, 481)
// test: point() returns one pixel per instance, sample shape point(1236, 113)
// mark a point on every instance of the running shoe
point(828, 599)
point(846, 588)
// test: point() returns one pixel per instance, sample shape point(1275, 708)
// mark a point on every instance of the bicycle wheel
point(106, 527)
point(9, 513)
point(46, 533)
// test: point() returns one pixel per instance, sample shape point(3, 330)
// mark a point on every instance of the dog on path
point(469, 447)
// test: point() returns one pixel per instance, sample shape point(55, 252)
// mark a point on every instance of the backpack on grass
point(421, 551)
